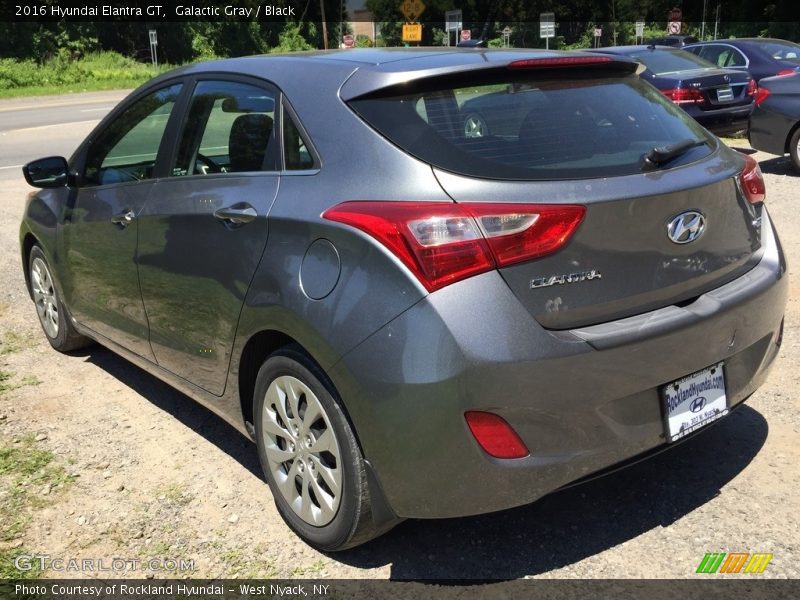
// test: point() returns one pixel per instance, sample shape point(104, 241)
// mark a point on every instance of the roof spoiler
point(400, 76)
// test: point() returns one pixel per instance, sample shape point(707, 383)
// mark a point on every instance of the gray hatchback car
point(412, 317)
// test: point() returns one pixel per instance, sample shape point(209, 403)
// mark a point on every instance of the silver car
point(413, 317)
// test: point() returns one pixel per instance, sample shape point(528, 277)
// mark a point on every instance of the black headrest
point(248, 140)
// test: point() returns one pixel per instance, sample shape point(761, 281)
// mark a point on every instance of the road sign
point(674, 21)
point(506, 36)
point(412, 32)
point(639, 28)
point(466, 34)
point(348, 41)
point(452, 20)
point(153, 46)
point(598, 31)
point(412, 9)
point(547, 25)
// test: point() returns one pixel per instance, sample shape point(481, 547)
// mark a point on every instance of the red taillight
point(784, 72)
point(443, 242)
point(761, 94)
point(752, 87)
point(558, 61)
point(684, 95)
point(495, 435)
point(752, 181)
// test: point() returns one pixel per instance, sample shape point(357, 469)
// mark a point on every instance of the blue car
point(721, 100)
point(761, 57)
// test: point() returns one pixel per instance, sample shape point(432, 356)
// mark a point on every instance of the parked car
point(721, 100)
point(409, 322)
point(775, 122)
point(677, 41)
point(761, 57)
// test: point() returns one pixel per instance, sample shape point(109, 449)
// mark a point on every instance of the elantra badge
point(541, 282)
point(686, 227)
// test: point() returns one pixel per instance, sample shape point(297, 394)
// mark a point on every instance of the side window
point(296, 155)
point(711, 53)
point(737, 59)
point(126, 150)
point(228, 129)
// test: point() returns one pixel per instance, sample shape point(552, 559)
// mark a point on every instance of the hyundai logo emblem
point(697, 404)
point(686, 227)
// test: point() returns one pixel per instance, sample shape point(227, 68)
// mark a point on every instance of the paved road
point(48, 125)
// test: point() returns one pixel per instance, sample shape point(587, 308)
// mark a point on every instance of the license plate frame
point(694, 401)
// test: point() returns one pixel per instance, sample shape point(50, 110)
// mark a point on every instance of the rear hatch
point(580, 137)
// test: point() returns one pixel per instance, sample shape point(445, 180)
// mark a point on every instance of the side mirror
point(50, 172)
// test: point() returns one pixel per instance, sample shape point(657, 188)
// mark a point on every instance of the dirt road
point(138, 471)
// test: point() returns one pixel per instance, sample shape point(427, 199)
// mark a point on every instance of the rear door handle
point(238, 214)
point(123, 219)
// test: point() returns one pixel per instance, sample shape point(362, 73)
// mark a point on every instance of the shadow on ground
point(780, 165)
point(184, 409)
point(554, 532)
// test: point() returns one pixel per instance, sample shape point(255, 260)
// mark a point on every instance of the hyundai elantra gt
point(409, 315)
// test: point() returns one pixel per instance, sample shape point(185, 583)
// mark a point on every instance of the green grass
point(9, 571)
point(96, 71)
point(6, 385)
point(25, 470)
point(11, 343)
point(248, 564)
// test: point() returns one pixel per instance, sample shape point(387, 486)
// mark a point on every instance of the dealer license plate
point(694, 401)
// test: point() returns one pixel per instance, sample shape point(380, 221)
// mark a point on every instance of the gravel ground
point(156, 476)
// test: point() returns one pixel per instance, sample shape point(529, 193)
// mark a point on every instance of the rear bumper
point(581, 400)
point(724, 120)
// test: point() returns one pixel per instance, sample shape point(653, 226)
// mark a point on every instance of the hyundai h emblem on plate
point(686, 227)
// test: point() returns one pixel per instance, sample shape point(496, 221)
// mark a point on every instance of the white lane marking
point(106, 108)
point(53, 125)
point(12, 167)
point(75, 102)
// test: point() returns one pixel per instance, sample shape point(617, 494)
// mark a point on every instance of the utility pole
point(703, 26)
point(716, 22)
point(324, 25)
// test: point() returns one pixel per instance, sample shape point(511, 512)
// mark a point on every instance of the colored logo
point(734, 562)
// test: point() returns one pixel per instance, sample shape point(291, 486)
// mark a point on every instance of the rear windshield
point(662, 62)
point(534, 129)
point(781, 50)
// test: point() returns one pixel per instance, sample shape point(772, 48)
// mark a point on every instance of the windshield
point(662, 62)
point(535, 129)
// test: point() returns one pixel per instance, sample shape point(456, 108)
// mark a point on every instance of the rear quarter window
point(533, 129)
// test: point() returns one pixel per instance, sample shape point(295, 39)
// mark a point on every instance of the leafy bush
point(97, 70)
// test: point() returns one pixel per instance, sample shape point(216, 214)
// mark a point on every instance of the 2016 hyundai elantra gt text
point(411, 316)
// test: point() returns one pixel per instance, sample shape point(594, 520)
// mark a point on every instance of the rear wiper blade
point(661, 154)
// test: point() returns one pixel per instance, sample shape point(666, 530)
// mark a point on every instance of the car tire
point(51, 310)
point(320, 491)
point(794, 148)
point(475, 126)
